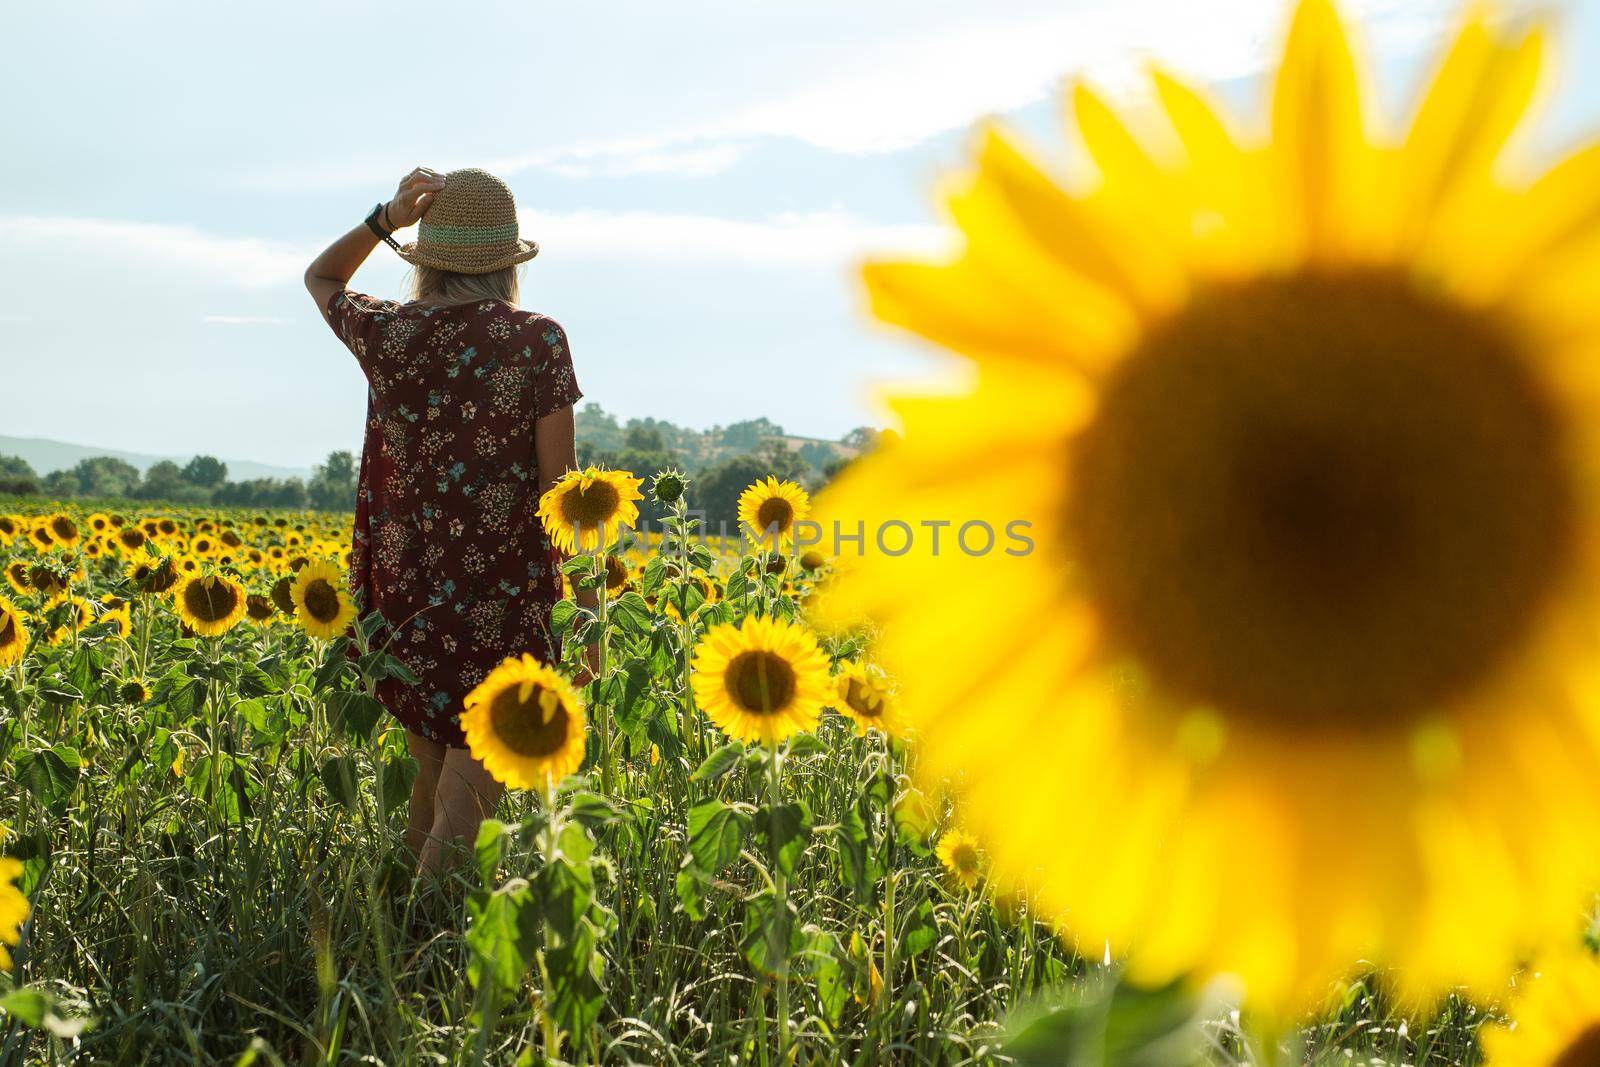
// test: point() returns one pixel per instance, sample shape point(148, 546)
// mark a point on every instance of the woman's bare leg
point(467, 794)
point(430, 761)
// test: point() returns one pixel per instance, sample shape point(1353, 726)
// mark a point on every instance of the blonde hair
point(430, 285)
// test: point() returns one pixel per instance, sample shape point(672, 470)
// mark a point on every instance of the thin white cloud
point(669, 156)
point(889, 92)
point(908, 90)
point(243, 320)
point(248, 262)
point(787, 239)
point(781, 240)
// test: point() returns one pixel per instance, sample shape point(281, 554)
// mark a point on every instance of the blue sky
point(702, 178)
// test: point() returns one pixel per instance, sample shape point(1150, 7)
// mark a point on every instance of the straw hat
point(470, 228)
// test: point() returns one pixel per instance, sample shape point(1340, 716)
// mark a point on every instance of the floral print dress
point(447, 543)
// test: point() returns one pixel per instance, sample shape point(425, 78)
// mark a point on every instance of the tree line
point(722, 462)
point(203, 480)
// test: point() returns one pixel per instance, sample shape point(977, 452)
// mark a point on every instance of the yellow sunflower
point(39, 537)
point(1290, 458)
point(865, 696)
point(14, 909)
point(152, 574)
point(129, 539)
point(322, 603)
point(116, 613)
point(10, 527)
point(617, 575)
point(98, 522)
point(763, 680)
point(525, 724)
point(209, 604)
point(259, 608)
point(13, 633)
point(65, 617)
point(769, 509)
point(17, 576)
point(281, 597)
point(63, 531)
point(587, 509)
point(916, 813)
point(49, 579)
point(1555, 1017)
point(958, 851)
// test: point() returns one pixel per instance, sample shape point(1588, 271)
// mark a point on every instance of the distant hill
point(45, 456)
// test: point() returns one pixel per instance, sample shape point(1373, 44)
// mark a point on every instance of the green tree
point(817, 454)
point(61, 485)
point(165, 481)
point(749, 434)
point(716, 490)
point(861, 437)
point(16, 467)
point(264, 493)
point(333, 484)
point(597, 428)
point(106, 476)
point(207, 472)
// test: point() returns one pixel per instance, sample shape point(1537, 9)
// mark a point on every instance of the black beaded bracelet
point(383, 234)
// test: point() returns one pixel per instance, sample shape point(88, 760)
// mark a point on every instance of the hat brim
point(440, 259)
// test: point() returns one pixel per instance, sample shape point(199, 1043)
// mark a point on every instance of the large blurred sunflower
point(1295, 663)
point(585, 510)
point(769, 509)
point(763, 681)
point(13, 633)
point(209, 604)
point(14, 909)
point(1555, 1017)
point(322, 604)
point(525, 724)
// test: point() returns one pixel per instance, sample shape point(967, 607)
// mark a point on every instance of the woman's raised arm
point(338, 263)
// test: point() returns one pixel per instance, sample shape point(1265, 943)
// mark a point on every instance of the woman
point(469, 420)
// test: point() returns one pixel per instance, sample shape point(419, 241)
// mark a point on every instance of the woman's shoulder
point(537, 325)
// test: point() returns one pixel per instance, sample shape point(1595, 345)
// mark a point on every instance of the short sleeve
point(555, 384)
point(357, 320)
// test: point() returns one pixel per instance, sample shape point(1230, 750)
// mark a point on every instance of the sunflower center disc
point(1321, 501)
point(774, 513)
point(209, 601)
point(1583, 1052)
point(322, 602)
point(760, 682)
point(520, 725)
point(586, 509)
point(8, 629)
point(858, 697)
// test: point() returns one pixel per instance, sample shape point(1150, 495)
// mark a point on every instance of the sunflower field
point(202, 805)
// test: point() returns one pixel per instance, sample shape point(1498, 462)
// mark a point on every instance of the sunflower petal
point(1318, 132)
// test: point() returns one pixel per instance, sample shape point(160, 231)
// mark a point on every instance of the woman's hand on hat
point(411, 200)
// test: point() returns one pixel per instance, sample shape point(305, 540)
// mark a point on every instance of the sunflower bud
point(669, 486)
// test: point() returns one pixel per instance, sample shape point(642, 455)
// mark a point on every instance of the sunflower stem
point(780, 890)
point(886, 997)
point(607, 755)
